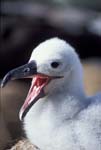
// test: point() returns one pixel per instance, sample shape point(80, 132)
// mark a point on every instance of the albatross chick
point(57, 114)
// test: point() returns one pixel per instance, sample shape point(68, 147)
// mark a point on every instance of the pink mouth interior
point(38, 83)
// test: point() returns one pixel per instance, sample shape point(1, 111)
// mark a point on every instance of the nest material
point(24, 145)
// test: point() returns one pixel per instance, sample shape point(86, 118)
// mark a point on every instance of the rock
point(24, 145)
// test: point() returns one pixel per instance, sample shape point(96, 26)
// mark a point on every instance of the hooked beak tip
point(1, 84)
point(5, 80)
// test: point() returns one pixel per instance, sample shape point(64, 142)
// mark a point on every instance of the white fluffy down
point(65, 119)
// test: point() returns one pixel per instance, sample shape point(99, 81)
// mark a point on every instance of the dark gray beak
point(24, 71)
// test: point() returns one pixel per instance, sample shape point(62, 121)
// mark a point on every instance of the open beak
point(24, 71)
point(36, 91)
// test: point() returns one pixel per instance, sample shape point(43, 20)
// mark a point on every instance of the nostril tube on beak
point(26, 70)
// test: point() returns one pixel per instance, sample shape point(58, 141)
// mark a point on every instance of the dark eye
point(55, 64)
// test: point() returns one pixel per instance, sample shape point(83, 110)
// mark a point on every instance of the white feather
point(65, 119)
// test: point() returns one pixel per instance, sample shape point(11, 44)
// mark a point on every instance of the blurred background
point(23, 25)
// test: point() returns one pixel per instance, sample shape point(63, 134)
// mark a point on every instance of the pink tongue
point(37, 84)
